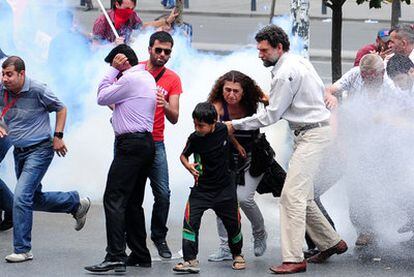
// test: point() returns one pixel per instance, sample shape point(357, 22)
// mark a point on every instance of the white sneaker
point(81, 212)
point(18, 258)
point(222, 254)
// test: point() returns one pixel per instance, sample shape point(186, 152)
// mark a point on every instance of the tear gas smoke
point(374, 141)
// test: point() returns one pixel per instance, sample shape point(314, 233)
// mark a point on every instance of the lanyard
point(8, 104)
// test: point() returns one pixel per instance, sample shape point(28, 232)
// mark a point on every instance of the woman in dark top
point(235, 95)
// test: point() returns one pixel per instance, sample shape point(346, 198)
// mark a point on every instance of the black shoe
point(6, 224)
point(106, 266)
point(133, 262)
point(310, 252)
point(163, 249)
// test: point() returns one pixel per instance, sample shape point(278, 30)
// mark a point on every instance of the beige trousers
point(298, 210)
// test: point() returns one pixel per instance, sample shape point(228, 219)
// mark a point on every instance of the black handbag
point(263, 162)
point(262, 155)
point(272, 180)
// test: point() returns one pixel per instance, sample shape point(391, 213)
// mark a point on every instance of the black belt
point(133, 135)
point(307, 127)
point(31, 147)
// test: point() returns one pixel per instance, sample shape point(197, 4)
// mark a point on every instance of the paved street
point(60, 251)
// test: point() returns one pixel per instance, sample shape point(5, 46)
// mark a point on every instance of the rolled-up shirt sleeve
point(110, 90)
point(281, 96)
point(347, 81)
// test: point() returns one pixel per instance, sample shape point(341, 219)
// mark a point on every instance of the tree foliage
point(377, 3)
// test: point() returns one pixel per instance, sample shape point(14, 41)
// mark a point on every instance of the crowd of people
point(230, 160)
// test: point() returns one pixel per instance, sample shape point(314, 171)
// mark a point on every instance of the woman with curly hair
point(235, 95)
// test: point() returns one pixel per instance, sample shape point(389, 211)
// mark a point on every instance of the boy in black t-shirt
point(213, 188)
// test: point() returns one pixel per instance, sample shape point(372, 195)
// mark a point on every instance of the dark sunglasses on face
point(166, 51)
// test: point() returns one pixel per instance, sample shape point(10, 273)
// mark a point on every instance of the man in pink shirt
point(131, 91)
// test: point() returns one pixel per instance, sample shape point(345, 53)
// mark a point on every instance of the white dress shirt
point(296, 95)
point(352, 83)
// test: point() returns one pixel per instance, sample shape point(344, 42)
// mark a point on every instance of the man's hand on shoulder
point(59, 147)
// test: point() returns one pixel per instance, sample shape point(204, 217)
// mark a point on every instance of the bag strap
point(160, 74)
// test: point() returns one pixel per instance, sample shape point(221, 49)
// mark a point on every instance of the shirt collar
point(26, 85)
point(279, 63)
point(25, 88)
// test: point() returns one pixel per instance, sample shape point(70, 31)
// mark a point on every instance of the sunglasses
point(229, 90)
point(166, 51)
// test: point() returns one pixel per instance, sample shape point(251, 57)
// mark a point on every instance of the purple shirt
point(134, 97)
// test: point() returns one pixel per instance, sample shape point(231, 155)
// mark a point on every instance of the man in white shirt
point(296, 95)
point(367, 77)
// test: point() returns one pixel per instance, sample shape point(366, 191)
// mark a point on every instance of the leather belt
point(310, 126)
point(31, 147)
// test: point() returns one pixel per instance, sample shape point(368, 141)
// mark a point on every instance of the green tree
point(336, 39)
point(395, 10)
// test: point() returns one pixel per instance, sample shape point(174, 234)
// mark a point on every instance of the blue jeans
point(31, 165)
point(161, 192)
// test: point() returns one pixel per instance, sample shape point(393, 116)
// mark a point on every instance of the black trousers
point(224, 204)
point(124, 194)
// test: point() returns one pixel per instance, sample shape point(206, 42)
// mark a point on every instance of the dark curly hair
point(274, 35)
point(252, 93)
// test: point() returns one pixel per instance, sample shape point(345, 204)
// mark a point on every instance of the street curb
point(257, 15)
point(225, 49)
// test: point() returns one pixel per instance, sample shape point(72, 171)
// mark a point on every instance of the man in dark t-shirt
point(213, 187)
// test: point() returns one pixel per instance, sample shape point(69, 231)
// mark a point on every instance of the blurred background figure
point(381, 46)
point(168, 4)
point(6, 27)
point(88, 4)
point(68, 50)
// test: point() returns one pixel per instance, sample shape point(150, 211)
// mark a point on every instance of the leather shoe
point(365, 239)
point(117, 266)
point(339, 248)
point(289, 268)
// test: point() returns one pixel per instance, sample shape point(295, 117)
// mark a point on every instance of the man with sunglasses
point(168, 96)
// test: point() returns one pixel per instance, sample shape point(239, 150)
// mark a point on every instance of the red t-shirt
point(168, 84)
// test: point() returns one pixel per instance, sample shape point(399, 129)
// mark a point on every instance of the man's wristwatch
point(58, 135)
